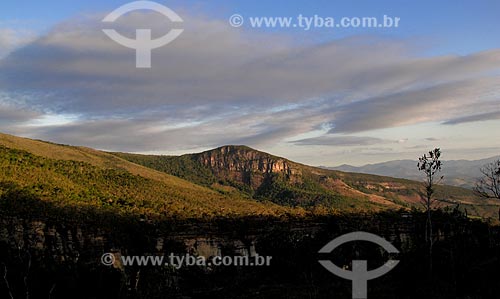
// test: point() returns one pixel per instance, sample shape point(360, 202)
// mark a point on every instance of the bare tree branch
point(488, 186)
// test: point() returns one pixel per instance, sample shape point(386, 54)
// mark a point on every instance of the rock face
point(241, 158)
point(245, 165)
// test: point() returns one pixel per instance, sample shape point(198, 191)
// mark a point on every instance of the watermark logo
point(359, 274)
point(236, 20)
point(108, 259)
point(143, 43)
point(315, 22)
point(177, 261)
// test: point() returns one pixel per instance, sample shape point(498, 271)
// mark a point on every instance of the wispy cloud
point(435, 103)
point(341, 141)
point(474, 118)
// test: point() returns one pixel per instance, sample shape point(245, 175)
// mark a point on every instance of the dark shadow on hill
point(51, 251)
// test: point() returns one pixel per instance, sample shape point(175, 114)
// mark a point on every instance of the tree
point(430, 165)
point(488, 186)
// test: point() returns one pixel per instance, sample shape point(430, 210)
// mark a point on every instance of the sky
point(322, 96)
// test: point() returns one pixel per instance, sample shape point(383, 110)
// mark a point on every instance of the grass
point(183, 187)
point(88, 178)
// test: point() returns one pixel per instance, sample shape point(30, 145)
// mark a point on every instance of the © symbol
point(359, 274)
point(143, 44)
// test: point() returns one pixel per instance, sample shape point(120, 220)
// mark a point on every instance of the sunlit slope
point(80, 176)
point(260, 175)
point(230, 181)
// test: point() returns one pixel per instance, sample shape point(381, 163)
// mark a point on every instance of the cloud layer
point(11, 39)
point(218, 85)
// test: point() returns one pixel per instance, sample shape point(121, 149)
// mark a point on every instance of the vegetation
point(185, 187)
point(306, 190)
point(489, 185)
point(308, 187)
point(67, 265)
point(61, 207)
point(430, 165)
point(80, 184)
point(184, 167)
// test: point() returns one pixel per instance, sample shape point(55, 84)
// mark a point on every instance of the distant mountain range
point(461, 173)
point(229, 181)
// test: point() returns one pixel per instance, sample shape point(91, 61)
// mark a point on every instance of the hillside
point(230, 181)
point(84, 178)
point(61, 207)
point(261, 176)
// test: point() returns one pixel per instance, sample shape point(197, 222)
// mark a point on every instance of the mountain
point(461, 173)
point(89, 180)
point(229, 181)
point(62, 207)
point(262, 176)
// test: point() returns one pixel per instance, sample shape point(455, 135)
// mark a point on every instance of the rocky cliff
point(246, 165)
point(242, 158)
